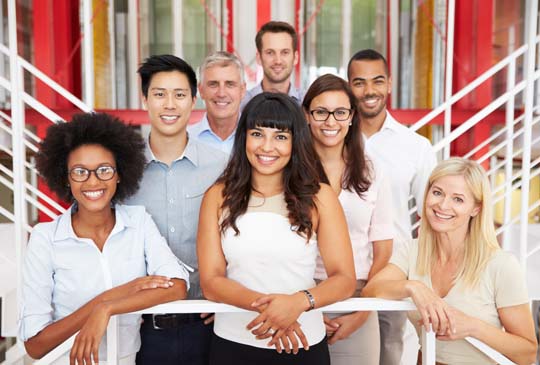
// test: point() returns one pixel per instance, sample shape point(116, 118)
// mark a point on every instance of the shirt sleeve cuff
point(174, 271)
point(32, 325)
point(379, 232)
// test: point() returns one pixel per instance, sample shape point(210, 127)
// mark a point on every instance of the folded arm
point(137, 294)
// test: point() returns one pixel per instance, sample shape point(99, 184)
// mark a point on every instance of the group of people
point(277, 202)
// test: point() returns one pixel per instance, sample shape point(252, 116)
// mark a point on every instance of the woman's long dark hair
point(301, 176)
point(358, 175)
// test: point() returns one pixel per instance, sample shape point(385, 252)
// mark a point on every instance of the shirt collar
point(190, 152)
point(64, 228)
point(204, 126)
point(390, 122)
point(293, 92)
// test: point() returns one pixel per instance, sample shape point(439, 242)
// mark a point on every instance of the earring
point(350, 123)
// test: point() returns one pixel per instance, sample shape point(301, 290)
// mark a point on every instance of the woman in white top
point(91, 262)
point(330, 109)
point(462, 283)
point(260, 228)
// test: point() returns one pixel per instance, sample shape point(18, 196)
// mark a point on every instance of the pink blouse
point(369, 219)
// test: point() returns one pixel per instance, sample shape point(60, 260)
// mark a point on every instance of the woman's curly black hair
point(126, 145)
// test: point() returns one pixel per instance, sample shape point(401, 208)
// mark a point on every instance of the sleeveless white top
point(268, 256)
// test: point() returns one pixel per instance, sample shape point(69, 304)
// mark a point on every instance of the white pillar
point(509, 150)
point(133, 55)
point(17, 135)
point(178, 24)
point(449, 70)
point(532, 13)
point(88, 54)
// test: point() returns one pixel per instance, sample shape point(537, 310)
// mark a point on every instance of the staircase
point(511, 155)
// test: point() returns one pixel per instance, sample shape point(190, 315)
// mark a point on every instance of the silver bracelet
point(310, 299)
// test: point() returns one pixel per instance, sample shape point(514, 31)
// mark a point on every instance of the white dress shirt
point(202, 132)
point(407, 159)
point(62, 272)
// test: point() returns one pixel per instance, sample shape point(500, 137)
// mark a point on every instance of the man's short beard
point(277, 81)
point(372, 114)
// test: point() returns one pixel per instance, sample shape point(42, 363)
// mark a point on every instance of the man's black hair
point(165, 63)
point(367, 55)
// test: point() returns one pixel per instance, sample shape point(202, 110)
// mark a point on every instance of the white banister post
point(88, 53)
point(448, 76)
point(428, 347)
point(17, 135)
point(508, 167)
point(532, 12)
point(112, 341)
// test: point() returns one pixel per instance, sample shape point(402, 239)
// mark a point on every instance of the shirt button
point(172, 229)
point(171, 201)
point(170, 173)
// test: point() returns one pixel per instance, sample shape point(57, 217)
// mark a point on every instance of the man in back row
point(407, 159)
point(222, 87)
point(277, 53)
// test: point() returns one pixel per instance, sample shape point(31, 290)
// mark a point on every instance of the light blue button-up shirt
point(173, 196)
point(294, 93)
point(202, 132)
point(62, 272)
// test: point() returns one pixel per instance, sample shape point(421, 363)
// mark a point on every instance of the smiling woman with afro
point(99, 258)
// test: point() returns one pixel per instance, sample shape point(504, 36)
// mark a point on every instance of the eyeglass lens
point(81, 174)
point(321, 115)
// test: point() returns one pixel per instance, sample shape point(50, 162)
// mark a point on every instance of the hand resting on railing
point(92, 318)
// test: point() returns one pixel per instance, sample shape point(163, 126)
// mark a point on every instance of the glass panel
point(195, 42)
point(323, 42)
point(161, 35)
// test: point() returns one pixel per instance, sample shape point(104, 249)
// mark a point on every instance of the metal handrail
point(26, 131)
point(200, 306)
point(471, 86)
point(518, 218)
point(47, 80)
point(516, 185)
point(483, 113)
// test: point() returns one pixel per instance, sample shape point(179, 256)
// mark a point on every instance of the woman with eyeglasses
point(330, 109)
point(92, 261)
point(261, 227)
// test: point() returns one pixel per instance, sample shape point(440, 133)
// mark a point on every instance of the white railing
point(355, 304)
point(26, 194)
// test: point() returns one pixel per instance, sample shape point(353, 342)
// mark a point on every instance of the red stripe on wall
point(264, 12)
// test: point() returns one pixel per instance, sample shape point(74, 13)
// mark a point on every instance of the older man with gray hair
point(222, 86)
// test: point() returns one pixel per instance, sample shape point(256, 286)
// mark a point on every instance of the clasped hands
point(447, 322)
point(277, 319)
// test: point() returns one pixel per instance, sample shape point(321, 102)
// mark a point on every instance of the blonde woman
point(462, 283)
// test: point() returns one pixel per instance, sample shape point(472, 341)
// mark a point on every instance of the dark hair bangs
point(270, 113)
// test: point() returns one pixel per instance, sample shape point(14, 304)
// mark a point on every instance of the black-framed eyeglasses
point(81, 174)
point(322, 115)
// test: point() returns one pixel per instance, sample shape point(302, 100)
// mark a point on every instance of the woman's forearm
point(57, 332)
point(335, 288)
point(389, 289)
point(223, 290)
point(382, 252)
point(518, 349)
point(147, 298)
